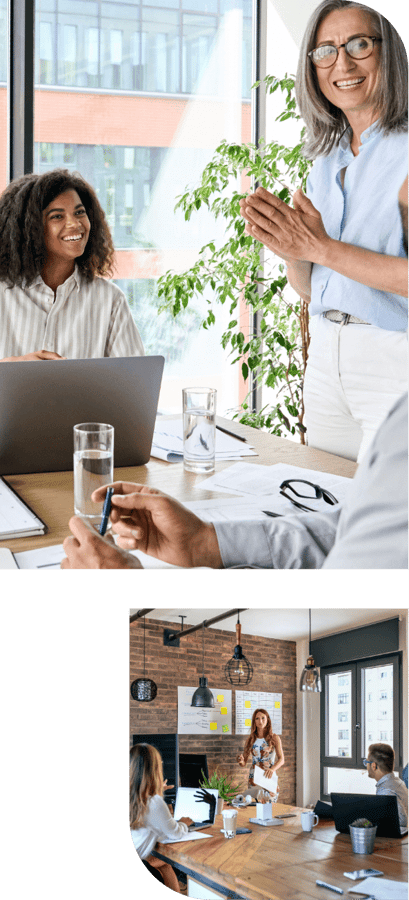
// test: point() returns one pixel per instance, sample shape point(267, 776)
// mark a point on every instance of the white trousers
point(354, 375)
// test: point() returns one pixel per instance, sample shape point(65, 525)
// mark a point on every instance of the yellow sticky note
point(247, 723)
point(247, 704)
point(220, 698)
point(277, 704)
point(213, 726)
point(223, 710)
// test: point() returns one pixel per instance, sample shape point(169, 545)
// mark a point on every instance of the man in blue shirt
point(379, 766)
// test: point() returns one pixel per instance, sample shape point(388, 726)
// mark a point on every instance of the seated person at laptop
point(368, 531)
point(150, 819)
point(379, 765)
point(55, 251)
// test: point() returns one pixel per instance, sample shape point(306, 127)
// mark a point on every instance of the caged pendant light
point(203, 696)
point(310, 677)
point(143, 689)
point(238, 670)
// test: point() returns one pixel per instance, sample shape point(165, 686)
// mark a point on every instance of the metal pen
point(106, 511)
point(330, 887)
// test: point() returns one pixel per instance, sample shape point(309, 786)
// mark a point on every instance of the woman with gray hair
point(343, 242)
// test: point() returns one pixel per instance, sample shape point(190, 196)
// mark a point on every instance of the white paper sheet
point(167, 442)
point(382, 888)
point(191, 836)
point(51, 558)
point(270, 784)
point(258, 481)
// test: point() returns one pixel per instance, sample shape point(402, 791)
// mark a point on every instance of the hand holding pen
point(106, 511)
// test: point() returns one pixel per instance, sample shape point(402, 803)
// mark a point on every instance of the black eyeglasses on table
point(315, 492)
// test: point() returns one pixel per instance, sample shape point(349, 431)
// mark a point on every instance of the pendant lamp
point(310, 677)
point(143, 689)
point(238, 670)
point(202, 696)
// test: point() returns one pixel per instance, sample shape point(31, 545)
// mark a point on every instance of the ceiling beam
point(140, 614)
point(206, 623)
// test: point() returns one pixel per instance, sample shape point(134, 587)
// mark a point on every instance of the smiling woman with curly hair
point(56, 250)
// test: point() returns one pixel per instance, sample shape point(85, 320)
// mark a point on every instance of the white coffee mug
point(307, 820)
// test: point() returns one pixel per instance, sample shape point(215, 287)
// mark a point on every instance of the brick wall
point(274, 664)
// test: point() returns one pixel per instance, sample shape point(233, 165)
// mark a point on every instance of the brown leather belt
point(335, 316)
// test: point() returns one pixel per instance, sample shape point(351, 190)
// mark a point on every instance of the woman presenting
point(263, 746)
point(55, 251)
point(344, 242)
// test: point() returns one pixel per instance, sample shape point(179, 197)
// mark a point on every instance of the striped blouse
point(84, 320)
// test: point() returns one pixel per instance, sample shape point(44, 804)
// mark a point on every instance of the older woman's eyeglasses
point(359, 47)
point(310, 492)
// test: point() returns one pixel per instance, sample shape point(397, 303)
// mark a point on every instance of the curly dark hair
point(22, 247)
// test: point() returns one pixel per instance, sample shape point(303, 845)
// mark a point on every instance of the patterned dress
point(261, 753)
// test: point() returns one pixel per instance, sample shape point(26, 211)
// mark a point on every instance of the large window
point(368, 694)
point(136, 96)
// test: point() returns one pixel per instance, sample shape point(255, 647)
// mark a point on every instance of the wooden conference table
point(51, 495)
point(281, 862)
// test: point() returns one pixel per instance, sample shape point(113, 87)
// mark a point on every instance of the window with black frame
point(365, 696)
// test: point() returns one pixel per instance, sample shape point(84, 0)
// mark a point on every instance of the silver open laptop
point(40, 402)
point(198, 810)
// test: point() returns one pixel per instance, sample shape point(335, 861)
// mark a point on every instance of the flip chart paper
point(192, 720)
point(248, 701)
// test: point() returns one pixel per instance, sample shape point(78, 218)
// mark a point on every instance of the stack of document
point(167, 442)
point(258, 487)
point(16, 518)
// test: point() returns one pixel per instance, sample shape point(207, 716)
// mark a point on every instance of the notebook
point(40, 402)
point(198, 810)
point(16, 518)
point(381, 810)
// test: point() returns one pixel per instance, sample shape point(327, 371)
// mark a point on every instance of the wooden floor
point(283, 862)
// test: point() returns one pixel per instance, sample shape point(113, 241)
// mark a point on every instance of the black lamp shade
point(143, 689)
point(203, 696)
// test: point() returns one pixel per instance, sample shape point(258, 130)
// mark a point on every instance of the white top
point(158, 825)
point(84, 321)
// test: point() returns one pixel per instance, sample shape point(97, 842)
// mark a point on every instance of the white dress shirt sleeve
point(370, 531)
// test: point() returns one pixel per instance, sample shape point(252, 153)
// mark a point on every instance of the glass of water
point(199, 429)
point(93, 467)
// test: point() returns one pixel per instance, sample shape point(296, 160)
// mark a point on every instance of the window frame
point(356, 667)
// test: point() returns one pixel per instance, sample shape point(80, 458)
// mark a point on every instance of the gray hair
point(325, 123)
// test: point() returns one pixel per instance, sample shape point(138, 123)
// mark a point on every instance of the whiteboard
point(248, 701)
point(196, 720)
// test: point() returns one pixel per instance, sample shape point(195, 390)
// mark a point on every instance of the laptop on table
point(40, 402)
point(381, 810)
point(198, 810)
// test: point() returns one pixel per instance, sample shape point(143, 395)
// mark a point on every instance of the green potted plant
point(274, 354)
point(227, 790)
point(363, 834)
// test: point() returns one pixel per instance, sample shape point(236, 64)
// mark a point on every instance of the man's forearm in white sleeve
point(291, 542)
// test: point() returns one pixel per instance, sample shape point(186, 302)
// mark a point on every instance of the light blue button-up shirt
point(365, 212)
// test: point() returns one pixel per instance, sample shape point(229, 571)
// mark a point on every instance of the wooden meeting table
point(280, 862)
point(51, 495)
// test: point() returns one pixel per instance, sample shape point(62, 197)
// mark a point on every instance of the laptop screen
point(186, 805)
point(381, 810)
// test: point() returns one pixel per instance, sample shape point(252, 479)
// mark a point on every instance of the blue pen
point(106, 511)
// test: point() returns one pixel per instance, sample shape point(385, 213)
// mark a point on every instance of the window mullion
point(21, 88)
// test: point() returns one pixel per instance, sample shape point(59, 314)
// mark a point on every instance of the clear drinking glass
point(229, 822)
point(93, 467)
point(199, 429)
